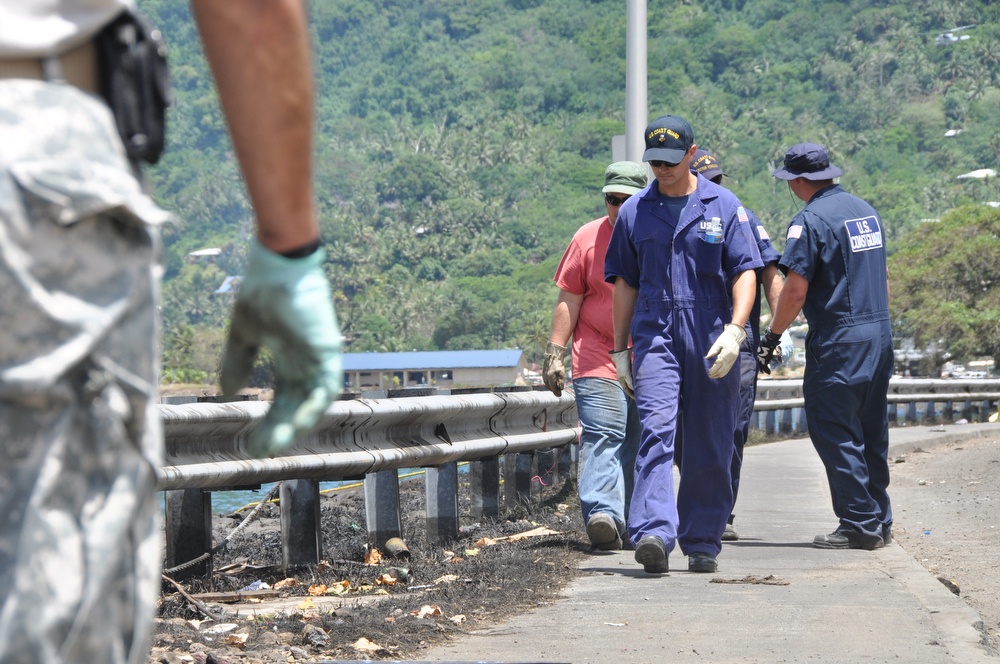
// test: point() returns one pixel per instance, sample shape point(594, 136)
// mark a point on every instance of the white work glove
point(623, 369)
point(727, 348)
point(553, 371)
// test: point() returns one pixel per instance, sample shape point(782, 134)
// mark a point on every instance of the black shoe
point(887, 534)
point(652, 554)
point(848, 539)
point(702, 562)
point(603, 533)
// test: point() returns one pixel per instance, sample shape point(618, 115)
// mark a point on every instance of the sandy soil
point(946, 509)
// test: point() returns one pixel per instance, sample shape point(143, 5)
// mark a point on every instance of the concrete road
point(774, 598)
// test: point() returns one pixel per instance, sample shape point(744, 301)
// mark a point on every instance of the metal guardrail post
point(568, 461)
point(548, 472)
point(786, 420)
point(484, 478)
point(441, 485)
point(382, 506)
point(188, 531)
point(301, 542)
point(769, 417)
point(527, 469)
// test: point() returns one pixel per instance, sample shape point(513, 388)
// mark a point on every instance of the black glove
point(768, 351)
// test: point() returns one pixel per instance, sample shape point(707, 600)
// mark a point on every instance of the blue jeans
point(609, 440)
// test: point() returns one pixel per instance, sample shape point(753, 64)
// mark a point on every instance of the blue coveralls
point(837, 244)
point(748, 357)
point(683, 303)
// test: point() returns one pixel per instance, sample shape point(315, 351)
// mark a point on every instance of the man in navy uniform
point(769, 278)
point(682, 259)
point(835, 273)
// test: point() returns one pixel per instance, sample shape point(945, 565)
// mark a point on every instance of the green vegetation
point(460, 144)
point(946, 279)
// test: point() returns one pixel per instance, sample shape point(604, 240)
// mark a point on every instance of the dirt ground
point(354, 607)
point(947, 516)
point(946, 508)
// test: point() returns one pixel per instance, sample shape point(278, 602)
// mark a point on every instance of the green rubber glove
point(285, 304)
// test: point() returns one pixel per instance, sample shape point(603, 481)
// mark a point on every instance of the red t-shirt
point(581, 272)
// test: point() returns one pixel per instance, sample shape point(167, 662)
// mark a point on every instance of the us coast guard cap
point(705, 163)
point(668, 138)
point(807, 160)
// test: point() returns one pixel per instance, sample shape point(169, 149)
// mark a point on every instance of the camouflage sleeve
point(79, 273)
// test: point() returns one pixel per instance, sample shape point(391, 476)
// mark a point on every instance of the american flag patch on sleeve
point(794, 233)
point(741, 214)
point(762, 233)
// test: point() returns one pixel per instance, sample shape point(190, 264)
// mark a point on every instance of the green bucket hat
point(625, 177)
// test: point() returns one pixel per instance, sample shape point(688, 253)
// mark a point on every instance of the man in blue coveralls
point(835, 272)
point(682, 258)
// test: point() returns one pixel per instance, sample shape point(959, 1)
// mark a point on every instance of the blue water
point(227, 502)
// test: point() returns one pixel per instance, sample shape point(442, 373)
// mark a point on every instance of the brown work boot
point(603, 533)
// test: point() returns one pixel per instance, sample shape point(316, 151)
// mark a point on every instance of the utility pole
point(636, 104)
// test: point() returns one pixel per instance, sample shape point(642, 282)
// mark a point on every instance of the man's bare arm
point(259, 54)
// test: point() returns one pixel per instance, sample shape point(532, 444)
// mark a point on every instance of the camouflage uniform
point(81, 441)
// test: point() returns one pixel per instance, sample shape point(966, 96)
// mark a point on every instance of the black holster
point(132, 64)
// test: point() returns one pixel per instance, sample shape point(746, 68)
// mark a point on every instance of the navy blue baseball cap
point(668, 138)
point(807, 160)
point(705, 163)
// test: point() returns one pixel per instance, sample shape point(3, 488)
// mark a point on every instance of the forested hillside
point(460, 143)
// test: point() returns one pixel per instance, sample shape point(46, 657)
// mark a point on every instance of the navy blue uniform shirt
point(837, 243)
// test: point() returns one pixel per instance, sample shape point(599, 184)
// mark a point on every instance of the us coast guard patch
point(865, 234)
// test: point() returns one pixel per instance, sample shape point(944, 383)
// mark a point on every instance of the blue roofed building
point(446, 368)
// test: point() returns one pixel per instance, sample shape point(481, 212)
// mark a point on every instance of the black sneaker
point(603, 533)
point(702, 562)
point(652, 555)
point(848, 539)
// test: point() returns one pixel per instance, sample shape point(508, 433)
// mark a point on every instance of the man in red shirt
point(608, 418)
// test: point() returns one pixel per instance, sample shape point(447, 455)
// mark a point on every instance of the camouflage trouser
point(79, 434)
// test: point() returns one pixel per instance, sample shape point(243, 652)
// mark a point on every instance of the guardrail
point(779, 406)
point(364, 437)
point(374, 437)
